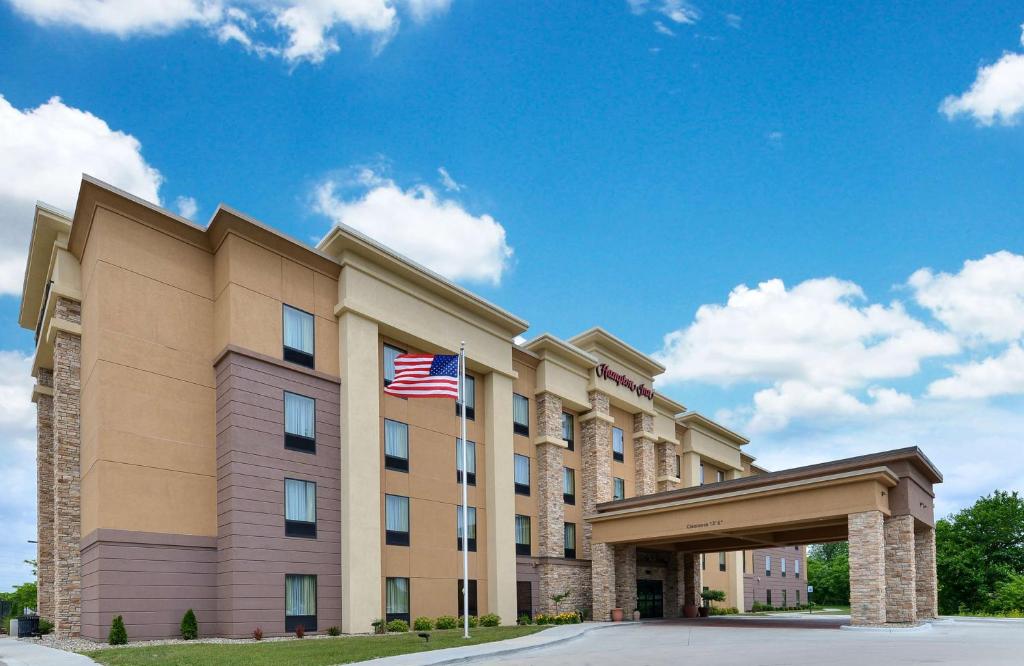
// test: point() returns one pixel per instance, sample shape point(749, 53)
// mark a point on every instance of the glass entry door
point(650, 598)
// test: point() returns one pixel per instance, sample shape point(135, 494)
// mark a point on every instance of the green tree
point(828, 571)
point(978, 548)
point(189, 626)
point(1009, 595)
point(23, 596)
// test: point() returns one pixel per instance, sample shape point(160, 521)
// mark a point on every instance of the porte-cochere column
point(867, 568)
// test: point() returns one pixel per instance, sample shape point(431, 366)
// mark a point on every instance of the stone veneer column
point(625, 579)
point(665, 452)
point(67, 370)
point(643, 453)
point(44, 494)
point(867, 568)
point(549, 447)
point(900, 577)
point(689, 578)
point(672, 596)
point(926, 583)
point(596, 452)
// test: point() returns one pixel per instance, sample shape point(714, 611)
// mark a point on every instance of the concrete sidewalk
point(24, 653)
point(549, 637)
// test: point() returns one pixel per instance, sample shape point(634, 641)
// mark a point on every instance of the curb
point(889, 630)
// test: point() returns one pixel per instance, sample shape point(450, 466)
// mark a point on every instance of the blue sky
point(641, 159)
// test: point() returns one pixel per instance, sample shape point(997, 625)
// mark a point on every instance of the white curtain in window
point(299, 500)
point(569, 531)
point(390, 354)
point(782, 565)
point(396, 513)
point(522, 469)
point(568, 481)
point(298, 330)
point(470, 392)
point(523, 530)
point(299, 595)
point(566, 426)
point(620, 488)
point(299, 415)
point(767, 563)
point(617, 440)
point(520, 409)
point(397, 595)
point(796, 567)
point(472, 522)
point(470, 456)
point(396, 439)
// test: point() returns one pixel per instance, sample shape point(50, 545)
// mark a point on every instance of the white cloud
point(187, 207)
point(17, 468)
point(309, 27)
point(663, 29)
point(774, 138)
point(734, 21)
point(996, 375)
point(43, 153)
point(677, 11)
point(776, 407)
point(449, 183)
point(437, 232)
point(984, 302)
point(996, 96)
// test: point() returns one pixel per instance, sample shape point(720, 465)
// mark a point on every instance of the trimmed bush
point(398, 626)
point(758, 607)
point(423, 624)
point(118, 634)
point(472, 621)
point(189, 626)
point(378, 626)
point(300, 631)
point(723, 611)
point(333, 631)
point(45, 626)
point(446, 622)
point(257, 634)
point(489, 620)
point(524, 619)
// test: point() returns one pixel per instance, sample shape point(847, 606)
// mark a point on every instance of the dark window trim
point(291, 622)
point(571, 442)
point(569, 499)
point(396, 464)
point(521, 428)
point(300, 529)
point(721, 566)
point(470, 478)
point(470, 409)
point(397, 616)
point(297, 356)
point(396, 538)
point(523, 489)
point(387, 382)
point(299, 443)
point(471, 542)
point(618, 457)
point(570, 553)
point(523, 549)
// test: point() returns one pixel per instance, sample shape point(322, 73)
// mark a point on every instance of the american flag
point(425, 376)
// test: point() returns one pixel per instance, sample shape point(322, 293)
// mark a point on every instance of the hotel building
point(213, 434)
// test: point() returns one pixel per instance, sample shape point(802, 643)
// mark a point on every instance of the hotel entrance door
point(649, 598)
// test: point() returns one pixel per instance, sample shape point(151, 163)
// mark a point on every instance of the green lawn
point(323, 651)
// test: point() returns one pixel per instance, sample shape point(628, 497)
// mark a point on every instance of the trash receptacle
point(28, 625)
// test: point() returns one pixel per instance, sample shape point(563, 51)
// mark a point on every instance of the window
point(397, 595)
point(569, 534)
point(522, 472)
point(796, 568)
point(299, 422)
point(768, 597)
point(784, 595)
point(798, 596)
point(470, 399)
point(396, 445)
point(618, 444)
point(767, 565)
point(619, 489)
point(520, 415)
point(299, 602)
point(472, 597)
point(679, 467)
point(523, 535)
point(702, 474)
point(470, 462)
point(471, 533)
point(703, 563)
point(782, 566)
point(744, 561)
point(721, 561)
point(298, 336)
point(299, 508)
point(396, 519)
point(390, 354)
point(569, 485)
point(524, 598)
point(719, 476)
point(568, 431)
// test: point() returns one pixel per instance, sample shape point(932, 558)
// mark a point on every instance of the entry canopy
point(789, 507)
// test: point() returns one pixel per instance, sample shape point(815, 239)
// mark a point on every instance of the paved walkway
point(741, 642)
point(23, 653)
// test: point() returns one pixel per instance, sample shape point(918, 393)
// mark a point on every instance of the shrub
point(300, 631)
point(472, 621)
point(45, 626)
point(398, 626)
point(723, 611)
point(189, 626)
point(378, 626)
point(333, 631)
point(758, 607)
point(1009, 596)
point(541, 618)
point(118, 634)
point(712, 595)
point(489, 620)
point(423, 624)
point(257, 634)
point(524, 619)
point(446, 622)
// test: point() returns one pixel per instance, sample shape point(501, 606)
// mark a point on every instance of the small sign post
point(810, 605)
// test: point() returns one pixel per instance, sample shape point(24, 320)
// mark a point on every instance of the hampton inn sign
point(642, 390)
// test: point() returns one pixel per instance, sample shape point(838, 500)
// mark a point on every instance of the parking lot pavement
point(23, 653)
point(746, 642)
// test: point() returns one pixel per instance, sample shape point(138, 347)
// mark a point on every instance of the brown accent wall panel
point(253, 553)
point(151, 579)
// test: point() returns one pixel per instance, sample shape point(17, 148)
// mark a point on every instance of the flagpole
point(465, 492)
